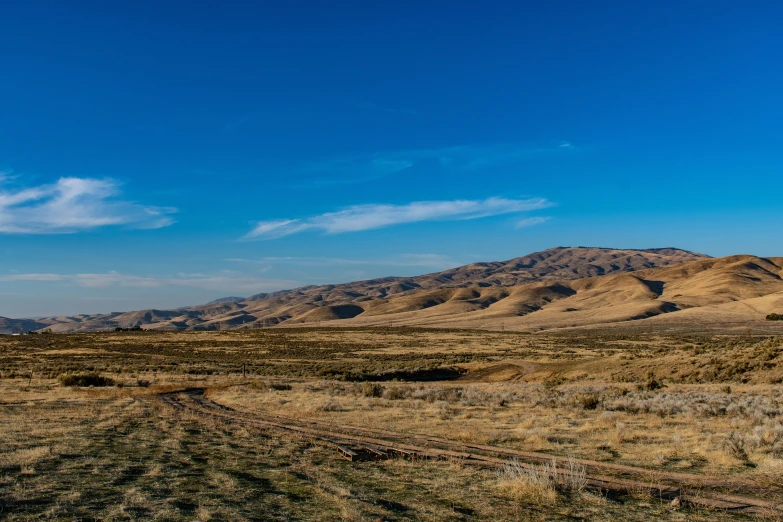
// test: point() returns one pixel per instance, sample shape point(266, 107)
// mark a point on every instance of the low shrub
point(775, 317)
point(370, 389)
point(652, 383)
point(586, 401)
point(735, 446)
point(395, 393)
point(85, 379)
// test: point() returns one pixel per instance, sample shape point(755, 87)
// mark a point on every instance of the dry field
point(706, 405)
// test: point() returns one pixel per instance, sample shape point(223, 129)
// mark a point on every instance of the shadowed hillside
point(731, 291)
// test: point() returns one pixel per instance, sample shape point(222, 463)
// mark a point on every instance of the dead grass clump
point(541, 483)
point(394, 393)
point(85, 380)
point(734, 444)
point(330, 406)
point(585, 401)
point(574, 476)
point(370, 389)
point(530, 483)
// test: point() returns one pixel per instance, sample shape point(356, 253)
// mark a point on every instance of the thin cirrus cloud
point(349, 169)
point(367, 217)
point(423, 260)
point(74, 204)
point(531, 221)
point(220, 282)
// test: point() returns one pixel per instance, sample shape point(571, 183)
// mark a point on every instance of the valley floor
point(707, 405)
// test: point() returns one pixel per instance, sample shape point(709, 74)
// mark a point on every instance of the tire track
point(731, 494)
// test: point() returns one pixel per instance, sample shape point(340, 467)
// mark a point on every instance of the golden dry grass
point(118, 453)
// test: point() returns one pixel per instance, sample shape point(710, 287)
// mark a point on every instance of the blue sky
point(162, 154)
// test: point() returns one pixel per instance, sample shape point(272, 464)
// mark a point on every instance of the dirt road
point(717, 492)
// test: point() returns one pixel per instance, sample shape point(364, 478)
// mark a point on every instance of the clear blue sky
point(161, 154)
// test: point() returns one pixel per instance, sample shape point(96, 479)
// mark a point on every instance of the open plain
point(391, 261)
point(615, 424)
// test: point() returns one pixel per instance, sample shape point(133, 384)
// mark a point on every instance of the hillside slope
point(474, 295)
point(736, 290)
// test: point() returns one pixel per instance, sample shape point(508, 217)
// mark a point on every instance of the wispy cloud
point(218, 283)
point(461, 158)
point(422, 260)
point(6, 175)
point(532, 221)
point(367, 217)
point(73, 204)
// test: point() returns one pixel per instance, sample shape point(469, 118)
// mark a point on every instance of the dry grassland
point(704, 404)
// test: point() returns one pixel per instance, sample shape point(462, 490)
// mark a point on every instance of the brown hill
point(556, 287)
point(736, 290)
point(550, 265)
point(8, 325)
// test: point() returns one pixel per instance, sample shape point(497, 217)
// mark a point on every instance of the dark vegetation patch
point(388, 354)
point(85, 380)
point(435, 373)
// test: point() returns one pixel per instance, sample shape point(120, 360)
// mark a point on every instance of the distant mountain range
point(556, 288)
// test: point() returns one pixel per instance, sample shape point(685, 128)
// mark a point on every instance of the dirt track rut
point(732, 494)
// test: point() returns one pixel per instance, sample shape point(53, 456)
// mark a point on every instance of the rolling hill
point(561, 286)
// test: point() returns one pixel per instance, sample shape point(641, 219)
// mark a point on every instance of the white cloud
point(32, 277)
point(367, 217)
point(277, 228)
point(219, 283)
point(423, 260)
point(73, 204)
point(5, 176)
point(529, 222)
